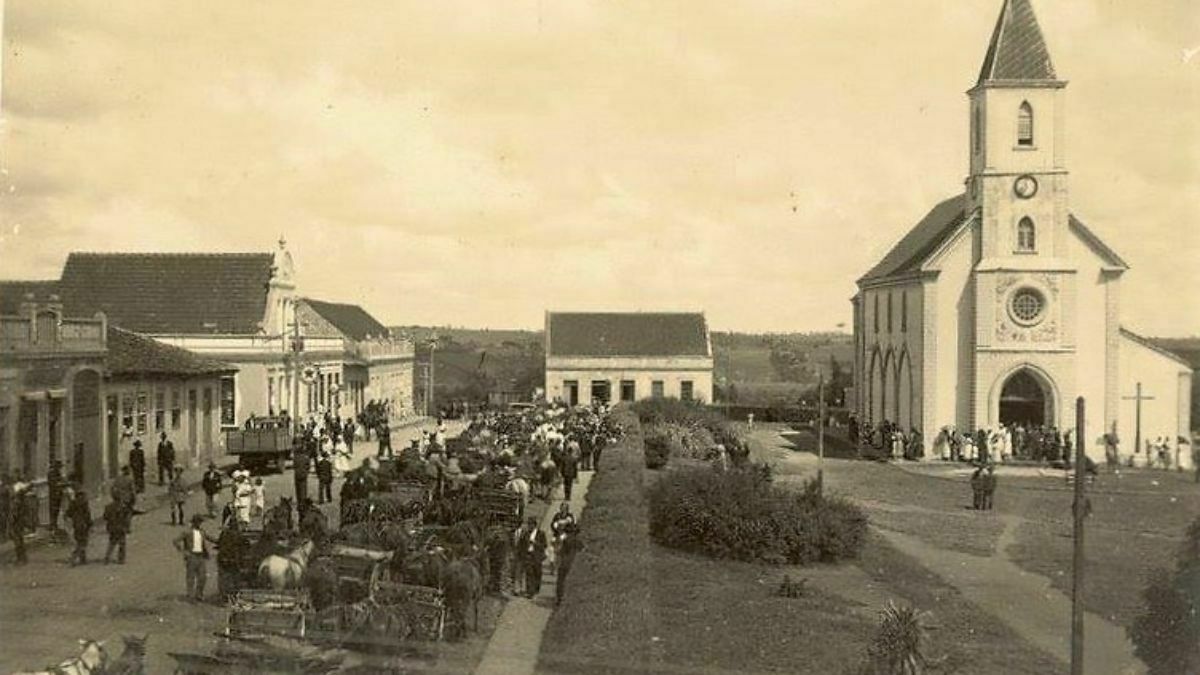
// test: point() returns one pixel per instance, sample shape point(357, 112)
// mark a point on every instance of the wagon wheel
point(356, 616)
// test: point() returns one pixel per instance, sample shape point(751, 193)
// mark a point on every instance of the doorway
point(571, 388)
point(112, 432)
point(85, 464)
point(1026, 400)
point(601, 391)
point(192, 424)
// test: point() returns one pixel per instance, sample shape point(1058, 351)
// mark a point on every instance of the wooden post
point(1077, 568)
point(821, 433)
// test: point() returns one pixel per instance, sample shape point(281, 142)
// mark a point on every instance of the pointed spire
point(1018, 51)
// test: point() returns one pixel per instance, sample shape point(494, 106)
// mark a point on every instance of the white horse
point(91, 659)
point(285, 571)
point(519, 487)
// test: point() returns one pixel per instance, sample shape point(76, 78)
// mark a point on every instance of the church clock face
point(1025, 186)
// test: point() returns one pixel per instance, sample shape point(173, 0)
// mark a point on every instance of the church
point(1000, 306)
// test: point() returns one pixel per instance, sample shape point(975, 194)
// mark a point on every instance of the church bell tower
point(1018, 178)
point(1024, 278)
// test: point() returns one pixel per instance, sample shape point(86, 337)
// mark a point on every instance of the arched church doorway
point(1026, 399)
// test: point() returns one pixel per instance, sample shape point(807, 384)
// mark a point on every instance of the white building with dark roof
point(627, 356)
point(1001, 307)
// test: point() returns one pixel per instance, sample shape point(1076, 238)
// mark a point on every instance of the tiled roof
point(353, 321)
point(12, 293)
point(626, 334)
point(166, 293)
point(912, 250)
point(1187, 349)
point(130, 355)
point(1017, 51)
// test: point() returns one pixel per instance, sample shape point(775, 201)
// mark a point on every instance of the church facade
point(1001, 307)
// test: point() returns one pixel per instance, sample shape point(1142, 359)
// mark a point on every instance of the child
point(258, 500)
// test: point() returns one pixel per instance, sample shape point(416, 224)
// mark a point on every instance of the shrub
point(1167, 636)
point(899, 644)
point(658, 448)
point(741, 515)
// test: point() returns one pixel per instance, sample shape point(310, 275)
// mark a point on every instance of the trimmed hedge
point(605, 621)
point(740, 515)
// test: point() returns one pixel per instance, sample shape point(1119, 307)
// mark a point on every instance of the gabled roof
point(626, 334)
point(12, 293)
point(1110, 256)
point(912, 250)
point(170, 293)
point(352, 321)
point(1152, 345)
point(1187, 349)
point(1017, 51)
point(131, 356)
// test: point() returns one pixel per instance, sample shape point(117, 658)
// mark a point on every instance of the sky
point(477, 163)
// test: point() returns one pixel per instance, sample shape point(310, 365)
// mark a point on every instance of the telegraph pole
point(1080, 512)
point(821, 433)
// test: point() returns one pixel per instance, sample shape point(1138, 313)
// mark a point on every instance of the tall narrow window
point(904, 312)
point(1025, 125)
point(889, 312)
point(228, 401)
point(977, 131)
point(1026, 236)
point(875, 314)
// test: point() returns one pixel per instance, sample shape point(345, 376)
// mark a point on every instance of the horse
point(519, 487)
point(92, 659)
point(463, 585)
point(132, 659)
point(285, 571)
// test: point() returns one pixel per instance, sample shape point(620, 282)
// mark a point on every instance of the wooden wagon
point(257, 613)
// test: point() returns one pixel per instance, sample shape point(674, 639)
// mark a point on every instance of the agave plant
point(897, 647)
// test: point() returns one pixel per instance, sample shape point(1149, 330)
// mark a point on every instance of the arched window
point(1025, 124)
point(1026, 236)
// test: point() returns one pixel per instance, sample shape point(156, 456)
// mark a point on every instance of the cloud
point(476, 163)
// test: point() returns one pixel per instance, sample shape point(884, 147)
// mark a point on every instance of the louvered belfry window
point(1025, 125)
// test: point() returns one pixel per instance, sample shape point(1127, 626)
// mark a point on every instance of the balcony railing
point(380, 349)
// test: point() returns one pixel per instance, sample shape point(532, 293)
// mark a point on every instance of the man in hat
point(300, 467)
point(532, 546)
point(79, 513)
point(16, 519)
point(211, 484)
point(166, 458)
point(116, 521)
point(231, 548)
point(568, 547)
point(193, 544)
point(122, 491)
point(137, 464)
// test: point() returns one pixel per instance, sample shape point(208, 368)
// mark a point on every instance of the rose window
point(1027, 306)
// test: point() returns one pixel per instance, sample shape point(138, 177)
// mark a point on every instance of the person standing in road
point(79, 513)
point(324, 478)
point(137, 464)
point(385, 440)
point(178, 493)
point(194, 546)
point(116, 521)
point(533, 549)
point(122, 491)
point(16, 520)
point(300, 467)
point(166, 458)
point(569, 469)
point(211, 484)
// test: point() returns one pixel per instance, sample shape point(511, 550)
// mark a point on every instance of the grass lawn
point(1137, 522)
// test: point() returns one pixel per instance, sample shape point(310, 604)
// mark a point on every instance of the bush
point(740, 515)
point(658, 446)
point(1167, 636)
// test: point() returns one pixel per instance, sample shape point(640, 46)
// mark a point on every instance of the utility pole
point(429, 396)
point(1137, 419)
point(821, 433)
point(1080, 512)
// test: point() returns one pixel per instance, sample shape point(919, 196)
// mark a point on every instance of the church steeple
point(1017, 52)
